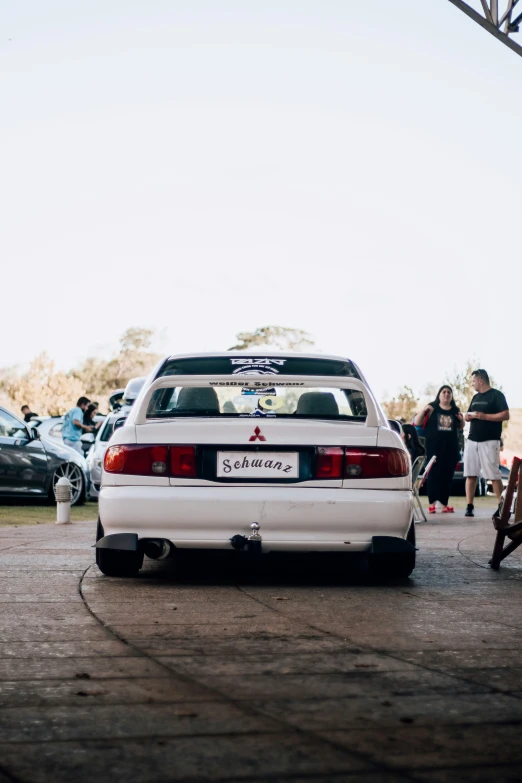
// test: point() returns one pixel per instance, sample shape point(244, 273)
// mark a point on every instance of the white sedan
point(261, 453)
point(97, 453)
point(99, 445)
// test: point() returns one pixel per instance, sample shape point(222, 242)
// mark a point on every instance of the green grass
point(40, 514)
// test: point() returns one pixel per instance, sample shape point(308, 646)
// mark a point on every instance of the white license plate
point(258, 464)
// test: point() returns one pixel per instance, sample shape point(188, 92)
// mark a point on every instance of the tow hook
point(252, 544)
point(254, 540)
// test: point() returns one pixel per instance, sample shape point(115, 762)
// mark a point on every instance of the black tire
point(114, 562)
point(395, 566)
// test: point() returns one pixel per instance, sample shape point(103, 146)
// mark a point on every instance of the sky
point(202, 168)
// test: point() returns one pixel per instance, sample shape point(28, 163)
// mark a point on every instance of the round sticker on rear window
point(270, 403)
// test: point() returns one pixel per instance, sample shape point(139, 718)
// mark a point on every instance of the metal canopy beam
point(492, 21)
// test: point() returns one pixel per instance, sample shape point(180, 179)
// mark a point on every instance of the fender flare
point(124, 542)
point(391, 545)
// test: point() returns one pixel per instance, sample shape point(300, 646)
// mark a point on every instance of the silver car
point(51, 427)
point(48, 426)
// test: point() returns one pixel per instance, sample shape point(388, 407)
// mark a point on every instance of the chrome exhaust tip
point(157, 548)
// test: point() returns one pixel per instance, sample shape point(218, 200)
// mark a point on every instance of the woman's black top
point(88, 417)
point(441, 433)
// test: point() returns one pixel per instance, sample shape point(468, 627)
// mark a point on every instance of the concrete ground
point(301, 675)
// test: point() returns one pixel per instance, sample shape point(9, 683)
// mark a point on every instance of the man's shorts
point(482, 459)
point(74, 444)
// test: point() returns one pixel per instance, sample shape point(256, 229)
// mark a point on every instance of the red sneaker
point(448, 510)
point(432, 509)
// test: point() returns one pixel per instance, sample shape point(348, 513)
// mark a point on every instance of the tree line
point(406, 403)
point(50, 391)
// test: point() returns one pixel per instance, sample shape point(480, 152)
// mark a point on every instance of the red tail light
point(332, 462)
point(137, 460)
point(329, 462)
point(378, 462)
point(114, 460)
point(183, 461)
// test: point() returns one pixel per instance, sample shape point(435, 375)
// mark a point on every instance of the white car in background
point(100, 443)
point(97, 452)
point(256, 452)
point(48, 426)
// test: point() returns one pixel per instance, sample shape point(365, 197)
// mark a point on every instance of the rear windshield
point(110, 421)
point(281, 402)
point(264, 365)
point(107, 429)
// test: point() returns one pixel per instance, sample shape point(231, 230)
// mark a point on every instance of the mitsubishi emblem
point(257, 435)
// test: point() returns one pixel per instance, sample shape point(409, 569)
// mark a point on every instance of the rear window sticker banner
point(257, 366)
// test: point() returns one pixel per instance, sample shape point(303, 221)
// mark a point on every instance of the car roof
point(120, 413)
point(292, 363)
point(268, 352)
point(133, 388)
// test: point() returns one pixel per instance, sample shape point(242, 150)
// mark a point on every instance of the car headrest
point(317, 404)
point(198, 399)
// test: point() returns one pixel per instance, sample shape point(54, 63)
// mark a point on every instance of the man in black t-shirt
point(27, 413)
point(486, 413)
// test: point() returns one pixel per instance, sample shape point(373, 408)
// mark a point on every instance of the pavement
point(310, 673)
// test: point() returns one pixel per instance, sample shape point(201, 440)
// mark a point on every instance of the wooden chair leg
point(511, 547)
point(496, 557)
point(501, 524)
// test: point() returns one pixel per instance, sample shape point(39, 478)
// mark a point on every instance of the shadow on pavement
point(274, 569)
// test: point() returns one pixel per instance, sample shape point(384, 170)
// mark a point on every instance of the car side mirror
point(395, 426)
point(33, 433)
point(119, 423)
point(87, 438)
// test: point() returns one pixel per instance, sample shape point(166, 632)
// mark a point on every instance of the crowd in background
point(437, 432)
point(77, 421)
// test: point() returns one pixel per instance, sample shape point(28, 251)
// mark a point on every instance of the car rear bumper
point(290, 518)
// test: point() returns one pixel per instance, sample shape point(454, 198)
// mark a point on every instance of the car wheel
point(395, 566)
point(74, 474)
point(113, 562)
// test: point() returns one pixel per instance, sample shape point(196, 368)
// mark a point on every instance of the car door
point(23, 461)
